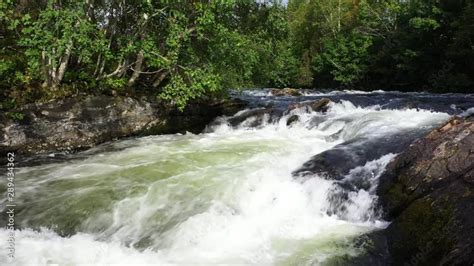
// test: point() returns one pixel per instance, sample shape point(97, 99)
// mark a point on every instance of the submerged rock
point(259, 116)
point(252, 117)
point(80, 123)
point(292, 119)
point(320, 105)
point(338, 161)
point(428, 193)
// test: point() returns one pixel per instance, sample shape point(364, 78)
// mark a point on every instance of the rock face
point(320, 105)
point(257, 116)
point(428, 194)
point(80, 123)
point(285, 92)
point(335, 163)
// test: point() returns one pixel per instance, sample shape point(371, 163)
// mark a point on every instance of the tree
point(56, 37)
point(180, 51)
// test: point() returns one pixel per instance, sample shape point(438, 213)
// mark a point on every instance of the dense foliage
point(391, 44)
point(179, 50)
point(184, 50)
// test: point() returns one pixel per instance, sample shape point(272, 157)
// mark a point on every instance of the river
point(226, 196)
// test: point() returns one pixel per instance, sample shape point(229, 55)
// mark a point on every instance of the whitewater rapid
point(227, 196)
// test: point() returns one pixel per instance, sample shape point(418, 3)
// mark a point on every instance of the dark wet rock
point(196, 116)
point(338, 161)
point(253, 117)
point(285, 92)
point(428, 193)
point(320, 105)
point(292, 119)
point(258, 116)
point(82, 122)
point(226, 107)
point(443, 157)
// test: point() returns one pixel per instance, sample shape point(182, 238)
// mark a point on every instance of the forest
point(180, 51)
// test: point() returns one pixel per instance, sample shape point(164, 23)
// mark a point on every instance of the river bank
point(80, 123)
point(427, 194)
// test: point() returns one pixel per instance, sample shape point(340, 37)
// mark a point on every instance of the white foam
point(468, 112)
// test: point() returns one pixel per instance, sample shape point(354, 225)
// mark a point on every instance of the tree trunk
point(90, 10)
point(159, 78)
point(98, 66)
point(117, 72)
point(45, 69)
point(137, 69)
point(339, 15)
point(59, 75)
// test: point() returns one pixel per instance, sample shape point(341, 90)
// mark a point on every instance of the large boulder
point(84, 121)
point(428, 194)
point(336, 163)
point(321, 105)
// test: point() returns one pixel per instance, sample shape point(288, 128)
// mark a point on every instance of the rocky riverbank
point(427, 193)
point(80, 123)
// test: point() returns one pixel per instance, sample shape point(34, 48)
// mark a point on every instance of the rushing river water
point(226, 196)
